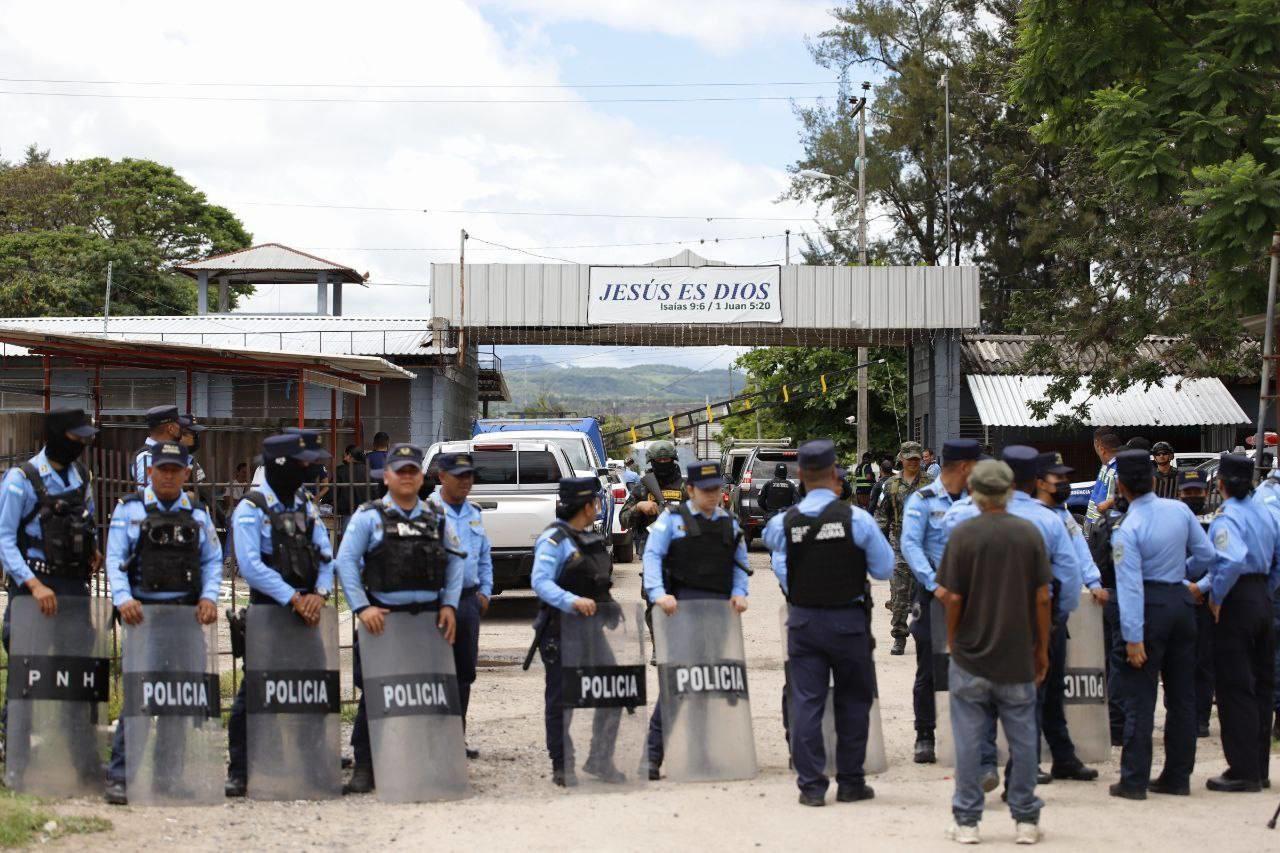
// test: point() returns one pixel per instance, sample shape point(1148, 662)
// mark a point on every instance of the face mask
point(1122, 505)
point(666, 469)
point(62, 450)
point(1061, 492)
point(285, 478)
point(1196, 504)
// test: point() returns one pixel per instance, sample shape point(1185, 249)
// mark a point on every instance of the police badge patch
point(1221, 538)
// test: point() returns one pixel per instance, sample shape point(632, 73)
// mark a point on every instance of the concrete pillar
point(224, 296)
point(322, 293)
point(202, 292)
point(337, 299)
point(944, 389)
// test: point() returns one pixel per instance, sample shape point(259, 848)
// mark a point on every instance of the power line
point(548, 213)
point(698, 240)
point(259, 85)
point(418, 101)
point(523, 251)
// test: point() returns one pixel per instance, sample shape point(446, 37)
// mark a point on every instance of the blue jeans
point(976, 705)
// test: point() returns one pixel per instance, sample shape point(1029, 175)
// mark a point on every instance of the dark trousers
point(1050, 700)
point(1244, 661)
point(922, 698)
point(466, 645)
point(1169, 636)
point(655, 745)
point(822, 645)
point(1204, 664)
point(1275, 622)
point(238, 736)
point(604, 726)
point(1113, 658)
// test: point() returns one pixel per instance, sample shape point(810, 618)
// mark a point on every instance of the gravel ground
point(516, 807)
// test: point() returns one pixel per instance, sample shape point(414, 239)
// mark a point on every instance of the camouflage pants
point(902, 590)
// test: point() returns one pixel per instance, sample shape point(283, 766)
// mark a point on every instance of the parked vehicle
point(516, 487)
point(758, 470)
point(624, 548)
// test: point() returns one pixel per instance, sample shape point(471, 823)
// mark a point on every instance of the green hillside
point(643, 389)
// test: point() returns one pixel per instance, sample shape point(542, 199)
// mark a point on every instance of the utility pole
point(1268, 343)
point(787, 234)
point(863, 357)
point(462, 298)
point(106, 306)
point(946, 96)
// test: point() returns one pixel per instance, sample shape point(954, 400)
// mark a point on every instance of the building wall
point(935, 397)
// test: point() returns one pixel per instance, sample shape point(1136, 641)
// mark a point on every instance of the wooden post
point(97, 394)
point(188, 390)
point(359, 427)
point(48, 380)
point(333, 426)
point(302, 399)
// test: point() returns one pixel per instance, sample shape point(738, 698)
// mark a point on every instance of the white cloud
point(438, 156)
point(720, 26)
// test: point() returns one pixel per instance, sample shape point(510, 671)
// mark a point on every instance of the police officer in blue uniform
point(317, 473)
point(1268, 495)
point(823, 552)
point(457, 476)
point(1193, 490)
point(571, 574)
point(283, 553)
point(1156, 547)
point(694, 553)
point(161, 548)
point(48, 539)
point(1238, 588)
point(924, 538)
point(395, 556)
point(163, 424)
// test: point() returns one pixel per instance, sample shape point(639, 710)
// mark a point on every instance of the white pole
point(1268, 343)
point(863, 407)
point(946, 87)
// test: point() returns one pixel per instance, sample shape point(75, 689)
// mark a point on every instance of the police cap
point(455, 464)
point(310, 440)
point(1051, 463)
point(159, 415)
point(817, 454)
point(1235, 467)
point(960, 450)
point(576, 491)
point(288, 446)
point(1022, 460)
point(704, 475)
point(169, 453)
point(190, 424)
point(1192, 478)
point(64, 420)
point(402, 455)
point(1133, 465)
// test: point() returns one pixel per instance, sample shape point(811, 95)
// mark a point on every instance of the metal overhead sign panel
point(682, 295)
point(346, 386)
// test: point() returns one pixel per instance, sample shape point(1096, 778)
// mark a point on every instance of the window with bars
point(21, 395)
point(136, 395)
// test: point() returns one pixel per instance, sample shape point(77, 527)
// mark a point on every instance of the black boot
point(361, 781)
point(115, 794)
point(924, 751)
point(235, 787)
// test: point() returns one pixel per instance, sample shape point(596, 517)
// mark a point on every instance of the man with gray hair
point(994, 581)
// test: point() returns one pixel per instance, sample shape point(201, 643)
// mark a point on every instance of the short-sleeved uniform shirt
point(996, 561)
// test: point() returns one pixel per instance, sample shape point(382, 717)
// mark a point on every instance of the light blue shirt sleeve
point(741, 580)
point(454, 571)
point(485, 564)
point(320, 538)
point(17, 495)
point(915, 521)
point(350, 559)
point(247, 523)
point(655, 551)
point(868, 537)
point(775, 539)
point(1232, 552)
point(210, 558)
point(119, 548)
point(1129, 594)
point(548, 558)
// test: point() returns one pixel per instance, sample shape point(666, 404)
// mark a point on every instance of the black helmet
point(781, 470)
point(1161, 447)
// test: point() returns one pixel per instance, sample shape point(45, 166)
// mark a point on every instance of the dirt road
point(516, 807)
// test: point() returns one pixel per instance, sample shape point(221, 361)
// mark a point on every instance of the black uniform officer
point(1238, 589)
point(823, 551)
point(779, 493)
point(571, 574)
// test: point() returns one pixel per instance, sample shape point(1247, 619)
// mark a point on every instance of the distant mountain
point(642, 389)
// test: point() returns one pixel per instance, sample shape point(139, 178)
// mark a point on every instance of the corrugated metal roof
point(268, 257)
point(1004, 353)
point(300, 333)
point(1003, 401)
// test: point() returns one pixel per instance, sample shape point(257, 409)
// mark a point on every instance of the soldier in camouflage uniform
point(659, 487)
point(894, 495)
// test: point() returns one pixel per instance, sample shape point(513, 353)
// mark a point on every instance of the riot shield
point(1085, 683)
point(603, 694)
point(292, 699)
point(876, 760)
point(702, 677)
point(174, 741)
point(59, 681)
point(415, 715)
point(943, 745)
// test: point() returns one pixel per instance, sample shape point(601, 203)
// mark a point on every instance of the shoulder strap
point(375, 505)
point(33, 477)
point(132, 497)
point(258, 499)
point(650, 482)
point(691, 526)
point(559, 532)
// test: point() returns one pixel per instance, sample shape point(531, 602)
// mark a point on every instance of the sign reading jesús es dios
point(680, 295)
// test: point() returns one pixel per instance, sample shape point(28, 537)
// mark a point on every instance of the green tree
point(823, 415)
point(61, 223)
point(1171, 112)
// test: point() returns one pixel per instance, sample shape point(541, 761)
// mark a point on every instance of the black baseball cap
point(455, 464)
point(404, 455)
point(74, 421)
point(1192, 478)
point(169, 453)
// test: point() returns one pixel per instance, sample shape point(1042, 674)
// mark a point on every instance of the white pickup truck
point(517, 485)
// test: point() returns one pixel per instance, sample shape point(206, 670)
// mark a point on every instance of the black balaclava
point(666, 470)
point(58, 448)
point(315, 471)
point(1195, 502)
point(285, 477)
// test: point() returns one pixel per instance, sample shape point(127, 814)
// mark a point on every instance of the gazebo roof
point(270, 263)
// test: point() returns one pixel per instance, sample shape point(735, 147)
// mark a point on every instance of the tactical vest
point(703, 558)
point(292, 554)
point(67, 534)
point(779, 494)
point(824, 567)
point(167, 558)
point(588, 571)
point(651, 490)
point(411, 555)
